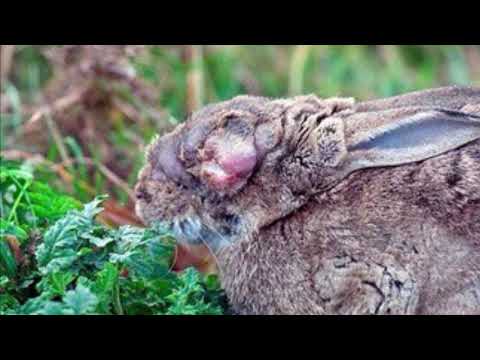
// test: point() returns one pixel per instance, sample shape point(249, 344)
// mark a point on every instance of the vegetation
point(75, 121)
point(70, 264)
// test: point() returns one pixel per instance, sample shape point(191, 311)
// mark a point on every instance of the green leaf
point(7, 301)
point(104, 287)
point(106, 279)
point(55, 284)
point(99, 241)
point(3, 281)
point(146, 253)
point(81, 300)
point(189, 297)
point(93, 208)
point(63, 240)
point(33, 306)
point(55, 308)
point(211, 282)
point(84, 251)
point(8, 264)
point(8, 228)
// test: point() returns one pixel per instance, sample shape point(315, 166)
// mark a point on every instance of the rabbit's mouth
point(193, 231)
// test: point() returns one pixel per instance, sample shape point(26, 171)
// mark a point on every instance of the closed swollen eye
point(230, 160)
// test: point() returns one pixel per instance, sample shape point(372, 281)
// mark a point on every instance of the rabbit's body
point(325, 207)
point(349, 251)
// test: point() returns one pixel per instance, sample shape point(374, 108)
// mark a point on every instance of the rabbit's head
point(237, 166)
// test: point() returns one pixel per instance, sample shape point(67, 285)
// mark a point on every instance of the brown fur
point(311, 232)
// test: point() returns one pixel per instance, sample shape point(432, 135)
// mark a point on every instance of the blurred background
point(83, 114)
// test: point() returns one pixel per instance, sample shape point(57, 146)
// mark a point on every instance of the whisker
point(214, 256)
point(193, 231)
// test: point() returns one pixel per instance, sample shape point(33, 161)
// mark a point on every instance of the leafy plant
point(77, 266)
point(26, 204)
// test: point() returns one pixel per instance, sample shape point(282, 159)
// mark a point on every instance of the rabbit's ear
point(451, 97)
point(410, 138)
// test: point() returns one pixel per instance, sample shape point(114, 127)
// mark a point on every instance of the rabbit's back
point(444, 189)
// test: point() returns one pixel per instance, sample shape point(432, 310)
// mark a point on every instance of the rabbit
point(327, 205)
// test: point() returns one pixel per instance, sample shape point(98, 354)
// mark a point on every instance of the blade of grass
point(80, 171)
point(17, 200)
point(57, 137)
point(27, 198)
point(297, 69)
point(6, 61)
point(195, 88)
point(110, 175)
